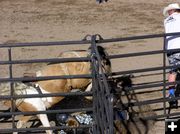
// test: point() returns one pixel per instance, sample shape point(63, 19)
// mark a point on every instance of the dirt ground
point(60, 20)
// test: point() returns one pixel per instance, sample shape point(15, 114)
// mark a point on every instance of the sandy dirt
point(60, 20)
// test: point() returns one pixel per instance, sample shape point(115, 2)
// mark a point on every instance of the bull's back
point(77, 68)
point(56, 85)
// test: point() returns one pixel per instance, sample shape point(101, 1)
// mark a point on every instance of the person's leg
point(173, 61)
point(171, 90)
point(171, 79)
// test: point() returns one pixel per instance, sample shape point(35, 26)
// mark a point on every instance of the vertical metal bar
point(111, 114)
point(100, 103)
point(106, 122)
point(105, 97)
point(164, 74)
point(11, 88)
point(94, 86)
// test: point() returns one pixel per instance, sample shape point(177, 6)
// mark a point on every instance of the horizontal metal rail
point(84, 41)
point(155, 117)
point(159, 68)
point(48, 111)
point(135, 54)
point(149, 36)
point(37, 44)
point(142, 53)
point(42, 129)
point(31, 79)
point(153, 101)
point(7, 97)
point(53, 60)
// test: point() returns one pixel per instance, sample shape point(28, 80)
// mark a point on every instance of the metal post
point(94, 86)
point(11, 89)
point(103, 104)
point(164, 75)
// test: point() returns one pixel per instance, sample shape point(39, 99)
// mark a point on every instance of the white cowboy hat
point(170, 7)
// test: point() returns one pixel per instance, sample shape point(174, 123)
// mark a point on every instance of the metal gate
point(101, 108)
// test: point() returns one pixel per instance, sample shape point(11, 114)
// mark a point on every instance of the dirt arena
point(60, 20)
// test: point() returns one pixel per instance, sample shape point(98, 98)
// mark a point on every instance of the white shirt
point(172, 25)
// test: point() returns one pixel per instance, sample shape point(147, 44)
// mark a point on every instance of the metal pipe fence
point(102, 106)
point(162, 68)
point(96, 75)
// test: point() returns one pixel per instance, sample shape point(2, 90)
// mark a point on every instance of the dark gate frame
point(102, 105)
